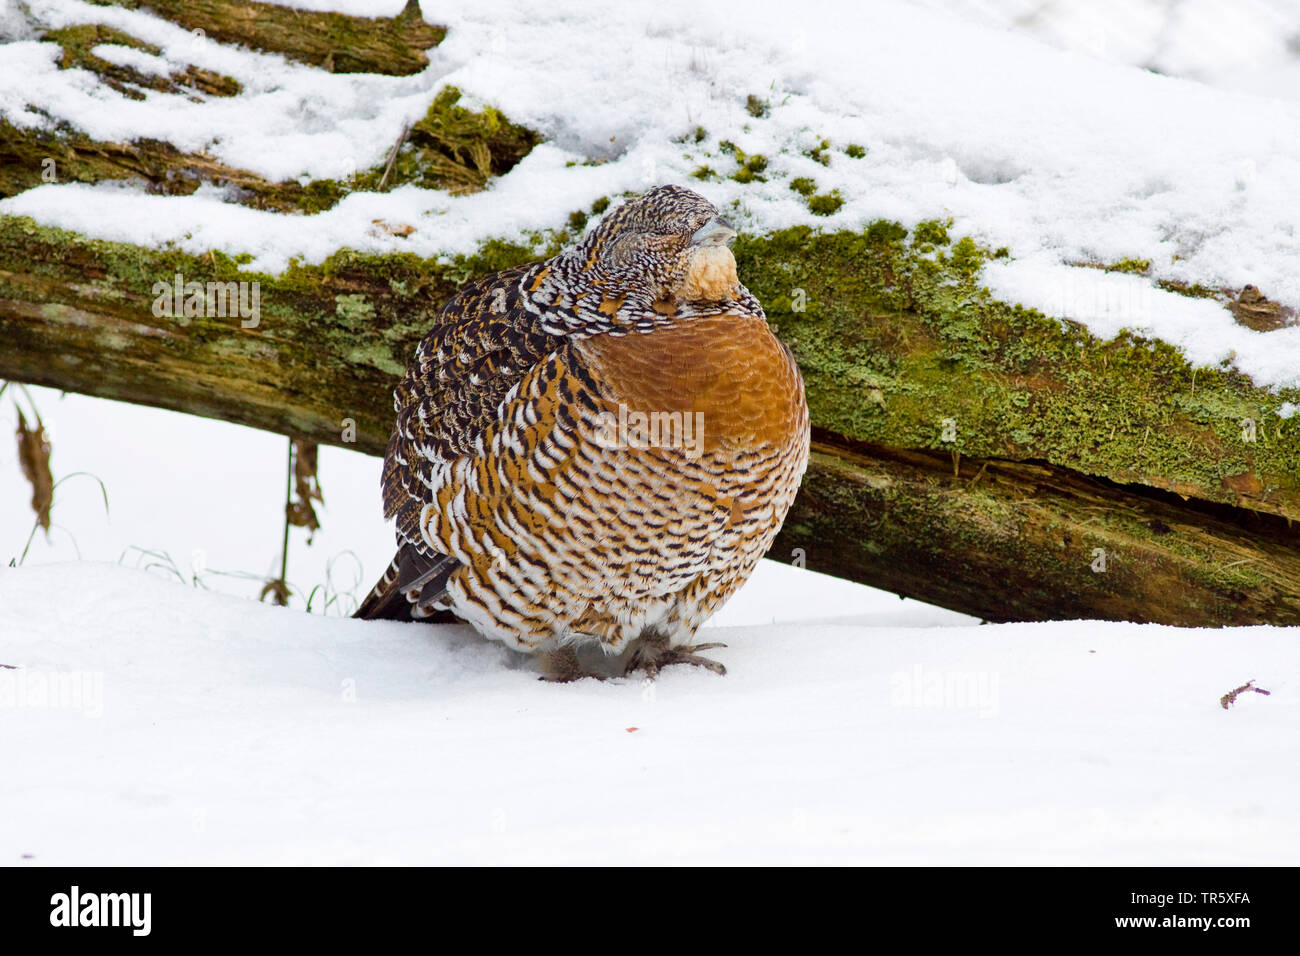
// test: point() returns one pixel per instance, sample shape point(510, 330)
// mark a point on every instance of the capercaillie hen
point(595, 450)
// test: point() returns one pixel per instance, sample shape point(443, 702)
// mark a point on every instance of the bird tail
point(411, 589)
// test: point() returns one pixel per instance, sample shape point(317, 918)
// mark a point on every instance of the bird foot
point(653, 654)
point(561, 665)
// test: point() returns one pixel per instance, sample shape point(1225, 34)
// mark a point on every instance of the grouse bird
point(595, 450)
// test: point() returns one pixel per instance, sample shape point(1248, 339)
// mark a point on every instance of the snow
point(852, 727)
point(1236, 44)
point(1062, 155)
point(139, 60)
point(215, 730)
point(290, 120)
point(212, 506)
point(1109, 302)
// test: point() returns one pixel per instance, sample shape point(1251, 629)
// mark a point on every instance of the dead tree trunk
point(934, 474)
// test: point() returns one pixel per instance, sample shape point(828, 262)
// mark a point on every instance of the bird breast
point(728, 371)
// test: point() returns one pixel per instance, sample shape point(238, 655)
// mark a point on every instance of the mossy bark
point(902, 347)
point(967, 452)
point(451, 148)
point(336, 41)
point(78, 43)
point(30, 157)
point(328, 345)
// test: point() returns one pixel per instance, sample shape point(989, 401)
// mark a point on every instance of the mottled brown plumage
point(596, 449)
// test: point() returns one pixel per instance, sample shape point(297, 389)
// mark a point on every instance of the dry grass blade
point(306, 488)
point(34, 457)
point(1230, 698)
point(278, 590)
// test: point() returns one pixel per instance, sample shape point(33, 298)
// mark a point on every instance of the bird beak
point(716, 232)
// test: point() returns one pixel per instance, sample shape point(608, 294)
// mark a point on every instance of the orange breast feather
point(730, 368)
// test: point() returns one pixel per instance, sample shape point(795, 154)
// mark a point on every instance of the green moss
point(704, 173)
point(898, 335)
point(312, 317)
point(803, 185)
point(932, 232)
point(459, 149)
point(600, 205)
point(1137, 267)
point(854, 151)
point(751, 169)
point(376, 355)
point(1142, 267)
point(493, 256)
point(1193, 290)
point(885, 231)
point(827, 204)
point(968, 258)
point(756, 107)
point(820, 153)
point(77, 41)
point(748, 168)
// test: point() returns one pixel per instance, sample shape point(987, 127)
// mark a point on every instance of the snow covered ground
point(198, 726)
point(207, 729)
point(1246, 45)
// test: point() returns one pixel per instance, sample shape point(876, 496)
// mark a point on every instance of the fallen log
point(958, 457)
point(339, 42)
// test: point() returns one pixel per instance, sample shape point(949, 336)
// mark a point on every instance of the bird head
point(664, 251)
